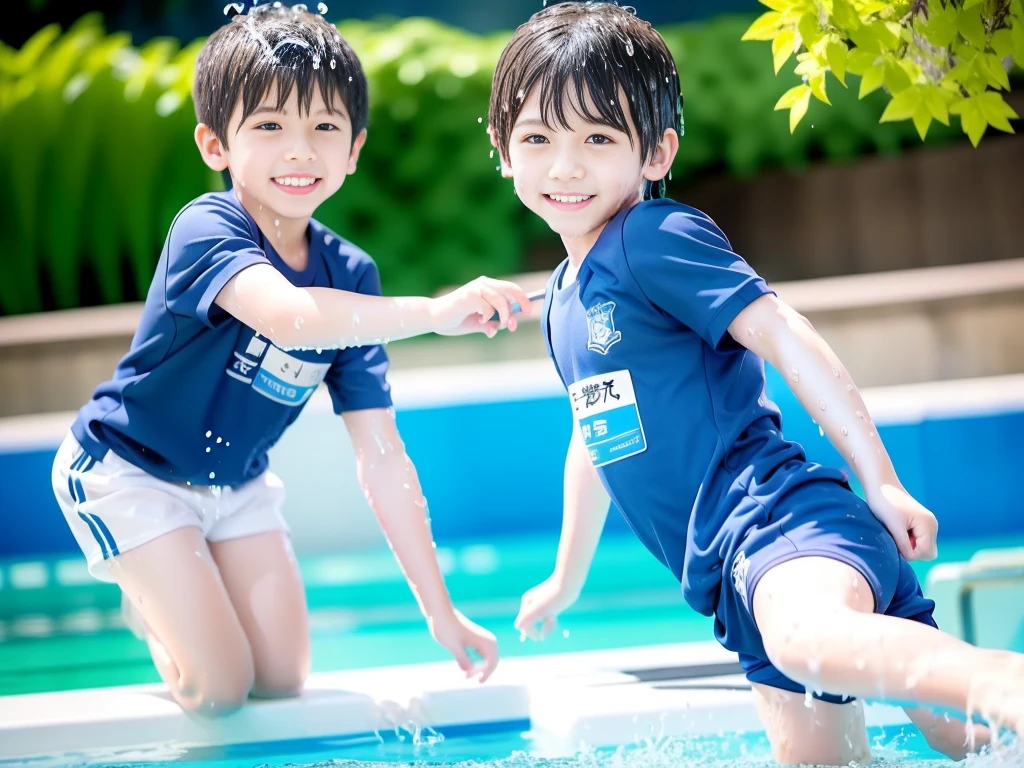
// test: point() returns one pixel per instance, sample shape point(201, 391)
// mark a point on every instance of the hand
point(912, 526)
point(469, 309)
point(541, 606)
point(457, 634)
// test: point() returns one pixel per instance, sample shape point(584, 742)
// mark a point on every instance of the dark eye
point(327, 127)
point(599, 138)
point(268, 127)
point(533, 138)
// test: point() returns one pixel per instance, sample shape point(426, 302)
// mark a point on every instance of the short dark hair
point(274, 44)
point(595, 47)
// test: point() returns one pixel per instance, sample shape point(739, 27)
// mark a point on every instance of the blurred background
point(906, 255)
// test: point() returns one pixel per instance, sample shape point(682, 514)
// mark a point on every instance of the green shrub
point(96, 153)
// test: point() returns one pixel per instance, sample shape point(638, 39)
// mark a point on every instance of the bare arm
point(783, 337)
point(264, 299)
point(585, 510)
point(393, 489)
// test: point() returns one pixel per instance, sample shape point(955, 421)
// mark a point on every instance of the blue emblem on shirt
point(601, 333)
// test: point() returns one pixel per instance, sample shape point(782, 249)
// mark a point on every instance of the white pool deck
point(591, 699)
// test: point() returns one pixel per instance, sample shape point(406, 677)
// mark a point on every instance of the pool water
point(893, 746)
point(61, 632)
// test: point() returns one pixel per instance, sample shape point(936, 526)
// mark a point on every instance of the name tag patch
point(286, 379)
point(607, 416)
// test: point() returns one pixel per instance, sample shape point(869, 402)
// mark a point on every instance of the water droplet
point(355, 319)
point(850, 387)
point(219, 440)
point(821, 404)
point(795, 376)
point(814, 666)
point(333, 64)
point(277, 223)
point(808, 699)
point(860, 414)
point(226, 445)
point(209, 433)
point(198, 553)
point(835, 371)
point(322, 7)
point(821, 431)
point(213, 475)
point(298, 323)
point(492, 153)
point(207, 449)
point(236, 7)
point(565, 633)
point(844, 430)
point(479, 119)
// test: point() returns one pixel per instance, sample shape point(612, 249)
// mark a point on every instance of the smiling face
point(577, 177)
point(285, 159)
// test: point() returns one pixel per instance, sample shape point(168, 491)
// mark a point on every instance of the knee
point(280, 679)
point(222, 689)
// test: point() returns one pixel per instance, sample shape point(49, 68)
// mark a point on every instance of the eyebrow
point(266, 109)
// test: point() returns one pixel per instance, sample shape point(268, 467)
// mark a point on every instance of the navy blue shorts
point(820, 518)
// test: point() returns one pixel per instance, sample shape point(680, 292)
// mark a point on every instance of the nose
point(300, 148)
point(566, 165)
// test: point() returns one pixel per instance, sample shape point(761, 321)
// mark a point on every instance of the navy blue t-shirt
point(671, 407)
point(201, 397)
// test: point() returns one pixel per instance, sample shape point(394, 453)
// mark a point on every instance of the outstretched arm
point(783, 337)
point(264, 299)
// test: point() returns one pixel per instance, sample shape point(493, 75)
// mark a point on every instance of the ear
point(210, 147)
point(664, 155)
point(357, 146)
point(506, 169)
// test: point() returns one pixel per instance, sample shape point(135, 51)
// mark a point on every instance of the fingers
point(487, 647)
point(502, 305)
point(462, 659)
point(514, 293)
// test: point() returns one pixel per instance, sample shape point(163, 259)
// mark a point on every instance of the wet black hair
point(602, 49)
point(270, 45)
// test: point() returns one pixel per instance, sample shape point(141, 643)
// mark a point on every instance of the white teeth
point(570, 198)
point(295, 181)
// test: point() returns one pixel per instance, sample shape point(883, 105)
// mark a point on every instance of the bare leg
point(819, 734)
point(816, 618)
point(263, 581)
point(198, 644)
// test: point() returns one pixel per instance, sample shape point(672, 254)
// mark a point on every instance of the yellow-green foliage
point(935, 57)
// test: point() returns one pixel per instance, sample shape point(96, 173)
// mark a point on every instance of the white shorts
point(113, 506)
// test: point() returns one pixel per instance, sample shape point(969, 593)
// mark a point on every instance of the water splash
point(236, 7)
point(322, 8)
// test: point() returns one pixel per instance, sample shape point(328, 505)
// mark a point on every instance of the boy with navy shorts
point(659, 332)
point(164, 476)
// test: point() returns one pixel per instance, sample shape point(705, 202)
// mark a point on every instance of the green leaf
point(1002, 42)
point(903, 105)
point(871, 80)
point(837, 54)
point(972, 3)
point(896, 78)
point(993, 65)
point(796, 114)
point(778, 5)
point(817, 84)
point(922, 119)
point(936, 100)
point(1018, 40)
point(973, 122)
point(844, 14)
point(792, 96)
point(995, 110)
point(764, 27)
point(970, 25)
point(809, 28)
point(860, 61)
point(941, 28)
point(782, 48)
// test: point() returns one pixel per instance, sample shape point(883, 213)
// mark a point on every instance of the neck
point(286, 235)
point(578, 247)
